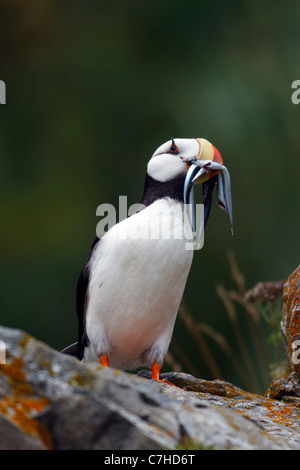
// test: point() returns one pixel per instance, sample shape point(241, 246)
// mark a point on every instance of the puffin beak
point(207, 168)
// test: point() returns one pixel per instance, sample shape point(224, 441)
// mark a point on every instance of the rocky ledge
point(52, 401)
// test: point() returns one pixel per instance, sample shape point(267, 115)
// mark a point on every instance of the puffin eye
point(173, 148)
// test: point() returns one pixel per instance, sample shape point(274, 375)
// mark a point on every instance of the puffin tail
point(70, 350)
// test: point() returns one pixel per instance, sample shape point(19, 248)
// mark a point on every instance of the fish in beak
point(207, 168)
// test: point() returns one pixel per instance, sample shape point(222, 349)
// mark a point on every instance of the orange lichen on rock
point(15, 374)
point(279, 413)
point(14, 370)
point(21, 412)
point(21, 407)
point(290, 323)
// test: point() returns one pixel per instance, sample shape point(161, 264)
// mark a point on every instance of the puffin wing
point(77, 349)
point(81, 292)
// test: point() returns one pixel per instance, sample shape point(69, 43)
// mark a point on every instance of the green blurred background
point(93, 88)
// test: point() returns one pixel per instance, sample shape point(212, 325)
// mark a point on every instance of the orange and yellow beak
point(207, 152)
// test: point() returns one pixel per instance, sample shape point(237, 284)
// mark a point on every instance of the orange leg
point(155, 371)
point(104, 360)
point(155, 374)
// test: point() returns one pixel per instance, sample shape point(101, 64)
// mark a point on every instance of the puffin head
point(194, 161)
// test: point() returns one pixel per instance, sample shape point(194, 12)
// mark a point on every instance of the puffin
point(130, 288)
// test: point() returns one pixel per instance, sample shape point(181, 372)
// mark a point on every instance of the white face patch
point(165, 166)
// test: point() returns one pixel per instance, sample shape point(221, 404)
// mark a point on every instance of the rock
point(13, 437)
point(290, 323)
point(52, 401)
point(288, 388)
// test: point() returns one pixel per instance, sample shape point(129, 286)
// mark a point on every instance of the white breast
point(138, 274)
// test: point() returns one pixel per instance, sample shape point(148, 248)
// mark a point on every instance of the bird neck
point(154, 190)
